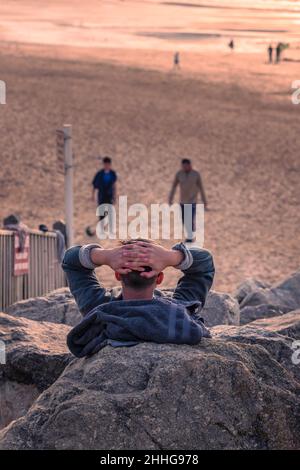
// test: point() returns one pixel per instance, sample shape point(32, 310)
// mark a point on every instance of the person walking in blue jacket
point(140, 312)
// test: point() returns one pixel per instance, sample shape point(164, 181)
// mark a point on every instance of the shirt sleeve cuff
point(187, 262)
point(85, 255)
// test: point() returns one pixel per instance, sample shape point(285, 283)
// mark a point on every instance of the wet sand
point(152, 24)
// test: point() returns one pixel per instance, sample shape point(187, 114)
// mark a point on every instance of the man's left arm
point(198, 274)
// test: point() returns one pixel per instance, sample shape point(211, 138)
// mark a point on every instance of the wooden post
point(68, 159)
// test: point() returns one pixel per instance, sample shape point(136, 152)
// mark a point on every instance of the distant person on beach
point(104, 183)
point(270, 53)
point(176, 62)
point(231, 44)
point(190, 184)
point(278, 52)
point(140, 312)
point(104, 189)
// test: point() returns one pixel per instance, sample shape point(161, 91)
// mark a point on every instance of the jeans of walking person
point(188, 214)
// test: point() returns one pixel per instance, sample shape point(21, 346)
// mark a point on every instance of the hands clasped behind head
point(136, 256)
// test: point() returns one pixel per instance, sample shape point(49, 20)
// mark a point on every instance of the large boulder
point(287, 325)
point(284, 296)
point(247, 287)
point(252, 313)
point(35, 355)
point(259, 300)
point(57, 307)
point(278, 335)
point(222, 394)
point(220, 309)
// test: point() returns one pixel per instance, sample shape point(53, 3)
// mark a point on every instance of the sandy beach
point(231, 113)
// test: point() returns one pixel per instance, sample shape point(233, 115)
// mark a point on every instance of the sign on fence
point(21, 258)
point(45, 272)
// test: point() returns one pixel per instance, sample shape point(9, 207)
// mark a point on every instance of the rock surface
point(239, 390)
point(220, 309)
point(253, 313)
point(230, 392)
point(277, 335)
point(248, 286)
point(57, 307)
point(36, 354)
point(258, 300)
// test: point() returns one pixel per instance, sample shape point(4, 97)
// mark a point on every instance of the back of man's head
point(134, 280)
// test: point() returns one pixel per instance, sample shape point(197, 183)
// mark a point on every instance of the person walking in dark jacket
point(278, 52)
point(140, 312)
point(104, 183)
point(104, 189)
point(270, 53)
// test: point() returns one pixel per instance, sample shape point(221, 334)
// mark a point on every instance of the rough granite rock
point(229, 392)
point(220, 309)
point(248, 286)
point(57, 307)
point(276, 335)
point(36, 354)
point(287, 325)
point(284, 296)
point(253, 313)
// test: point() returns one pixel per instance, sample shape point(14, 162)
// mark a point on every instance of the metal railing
point(45, 272)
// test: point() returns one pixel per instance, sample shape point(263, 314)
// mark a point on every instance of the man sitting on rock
point(140, 312)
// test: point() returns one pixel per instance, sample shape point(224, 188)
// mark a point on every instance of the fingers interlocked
point(136, 256)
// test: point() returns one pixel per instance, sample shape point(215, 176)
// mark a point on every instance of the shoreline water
point(153, 24)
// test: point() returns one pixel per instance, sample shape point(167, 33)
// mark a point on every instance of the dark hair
point(106, 160)
point(186, 161)
point(134, 280)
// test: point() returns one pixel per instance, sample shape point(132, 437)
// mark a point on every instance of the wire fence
point(45, 272)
